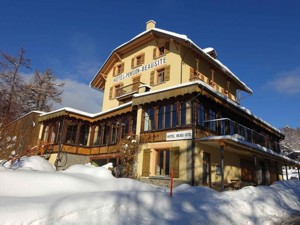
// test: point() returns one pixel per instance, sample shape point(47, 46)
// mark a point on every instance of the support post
point(193, 142)
point(255, 170)
point(286, 172)
point(222, 145)
point(171, 182)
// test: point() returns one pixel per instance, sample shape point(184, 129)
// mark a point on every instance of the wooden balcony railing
point(226, 126)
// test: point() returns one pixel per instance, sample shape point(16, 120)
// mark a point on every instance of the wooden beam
point(175, 43)
point(155, 38)
point(104, 76)
point(118, 56)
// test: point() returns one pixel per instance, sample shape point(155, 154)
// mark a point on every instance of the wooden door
point(247, 170)
point(206, 177)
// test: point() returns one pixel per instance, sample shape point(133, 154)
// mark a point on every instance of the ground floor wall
point(195, 164)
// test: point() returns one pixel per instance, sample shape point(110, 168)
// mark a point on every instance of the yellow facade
point(181, 103)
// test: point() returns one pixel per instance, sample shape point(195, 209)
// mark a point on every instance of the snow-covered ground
point(83, 194)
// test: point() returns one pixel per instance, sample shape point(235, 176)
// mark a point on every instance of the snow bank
point(90, 170)
point(29, 163)
point(36, 163)
point(85, 194)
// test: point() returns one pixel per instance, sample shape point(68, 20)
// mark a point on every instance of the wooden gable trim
point(176, 44)
point(155, 38)
point(118, 56)
point(104, 76)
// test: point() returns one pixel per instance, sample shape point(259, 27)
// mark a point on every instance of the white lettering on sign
point(180, 135)
point(141, 69)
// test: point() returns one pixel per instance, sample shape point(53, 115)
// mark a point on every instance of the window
point(212, 118)
point(125, 126)
point(160, 76)
point(84, 134)
point(183, 113)
point(138, 60)
point(97, 135)
point(116, 91)
point(118, 69)
point(163, 163)
point(106, 135)
point(200, 115)
point(149, 119)
point(174, 115)
point(114, 135)
point(161, 50)
point(167, 116)
point(71, 132)
point(160, 117)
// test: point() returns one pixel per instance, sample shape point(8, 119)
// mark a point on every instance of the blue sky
point(258, 40)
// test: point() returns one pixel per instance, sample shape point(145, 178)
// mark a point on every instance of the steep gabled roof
point(98, 82)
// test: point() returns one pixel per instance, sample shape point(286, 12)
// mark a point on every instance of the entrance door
point(206, 169)
point(247, 170)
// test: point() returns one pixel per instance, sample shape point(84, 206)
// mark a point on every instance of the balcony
point(128, 91)
point(226, 126)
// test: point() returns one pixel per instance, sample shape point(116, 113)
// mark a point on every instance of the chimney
point(150, 24)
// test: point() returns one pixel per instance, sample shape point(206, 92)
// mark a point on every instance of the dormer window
point(161, 50)
point(138, 60)
point(118, 69)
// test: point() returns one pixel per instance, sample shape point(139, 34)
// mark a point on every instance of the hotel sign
point(140, 69)
point(180, 135)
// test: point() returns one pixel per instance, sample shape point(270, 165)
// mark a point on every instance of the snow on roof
point(91, 115)
point(35, 111)
point(255, 146)
point(199, 82)
point(184, 38)
point(208, 49)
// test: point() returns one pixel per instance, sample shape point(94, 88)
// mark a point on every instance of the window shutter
point(174, 152)
point(146, 163)
point(167, 47)
point(152, 78)
point(111, 92)
point(143, 58)
point(136, 83)
point(192, 72)
point(132, 63)
point(167, 73)
point(122, 68)
point(154, 53)
point(119, 90)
